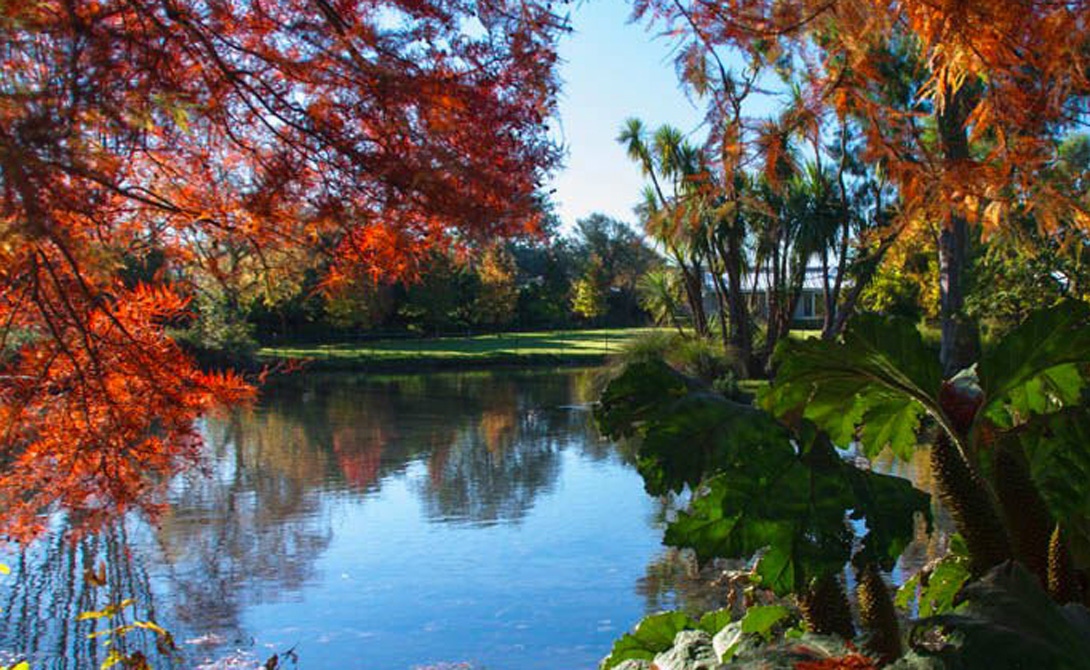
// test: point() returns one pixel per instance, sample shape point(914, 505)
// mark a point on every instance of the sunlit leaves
point(1035, 367)
point(880, 376)
point(108, 612)
point(655, 634)
point(935, 591)
point(227, 137)
point(1006, 75)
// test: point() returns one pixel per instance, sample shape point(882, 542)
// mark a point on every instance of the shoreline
point(424, 364)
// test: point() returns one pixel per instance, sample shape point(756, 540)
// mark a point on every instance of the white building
point(809, 311)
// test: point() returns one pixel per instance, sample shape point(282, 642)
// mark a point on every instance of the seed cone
point(1062, 581)
point(877, 616)
point(971, 506)
point(825, 608)
point(1025, 514)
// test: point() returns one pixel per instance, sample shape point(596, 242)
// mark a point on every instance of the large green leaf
point(702, 434)
point(653, 635)
point(761, 619)
point(1008, 621)
point(715, 621)
point(686, 433)
point(1036, 367)
point(880, 376)
point(1057, 447)
point(889, 506)
point(641, 392)
point(796, 516)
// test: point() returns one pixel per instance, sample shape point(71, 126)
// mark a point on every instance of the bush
point(691, 355)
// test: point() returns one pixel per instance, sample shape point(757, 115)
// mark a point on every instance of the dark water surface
point(454, 521)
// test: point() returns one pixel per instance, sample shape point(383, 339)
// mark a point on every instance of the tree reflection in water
point(474, 449)
point(42, 598)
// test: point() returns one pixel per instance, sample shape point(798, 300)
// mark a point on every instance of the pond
point(469, 520)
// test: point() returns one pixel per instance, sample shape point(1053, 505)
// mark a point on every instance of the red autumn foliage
point(849, 662)
point(373, 130)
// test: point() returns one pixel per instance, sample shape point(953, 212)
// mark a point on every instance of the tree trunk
point(827, 295)
point(692, 293)
point(865, 271)
point(741, 334)
point(959, 337)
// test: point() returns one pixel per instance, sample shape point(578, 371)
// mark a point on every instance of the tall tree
point(667, 161)
point(347, 124)
point(1002, 79)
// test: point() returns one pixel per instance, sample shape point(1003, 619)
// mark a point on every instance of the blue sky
point(611, 70)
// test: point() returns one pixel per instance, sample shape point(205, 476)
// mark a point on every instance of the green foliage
point(703, 433)
point(686, 431)
point(497, 294)
point(692, 355)
point(761, 619)
point(759, 488)
point(655, 634)
point(1034, 368)
point(1056, 446)
point(935, 592)
point(588, 298)
point(640, 393)
point(755, 627)
point(1006, 620)
point(880, 379)
point(795, 512)
point(802, 537)
point(661, 295)
point(219, 336)
point(880, 376)
point(443, 297)
point(1011, 280)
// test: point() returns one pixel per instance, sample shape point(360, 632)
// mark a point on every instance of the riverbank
point(551, 348)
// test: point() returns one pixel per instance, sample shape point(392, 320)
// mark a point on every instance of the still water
point(468, 520)
point(447, 521)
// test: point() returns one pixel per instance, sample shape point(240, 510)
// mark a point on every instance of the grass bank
point(558, 347)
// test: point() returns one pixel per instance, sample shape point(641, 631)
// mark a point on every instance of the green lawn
point(575, 346)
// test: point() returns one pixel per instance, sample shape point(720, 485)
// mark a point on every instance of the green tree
point(588, 292)
point(497, 293)
point(619, 257)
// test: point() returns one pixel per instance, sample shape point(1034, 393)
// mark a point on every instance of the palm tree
point(670, 158)
point(660, 293)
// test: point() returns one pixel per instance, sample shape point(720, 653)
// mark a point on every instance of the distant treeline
point(586, 278)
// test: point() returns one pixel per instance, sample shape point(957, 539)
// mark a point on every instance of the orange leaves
point(1011, 74)
point(97, 409)
point(227, 137)
point(849, 662)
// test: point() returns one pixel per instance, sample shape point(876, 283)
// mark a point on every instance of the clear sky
point(612, 70)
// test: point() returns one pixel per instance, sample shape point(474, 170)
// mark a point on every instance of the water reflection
point(47, 591)
point(299, 510)
point(382, 522)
